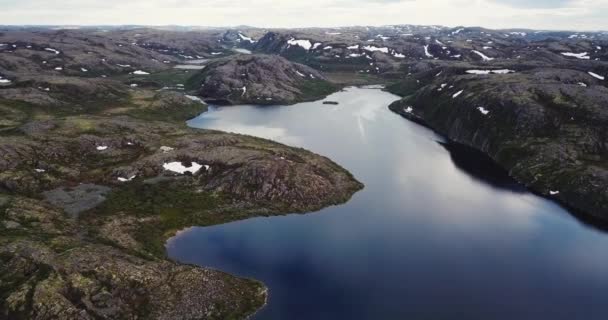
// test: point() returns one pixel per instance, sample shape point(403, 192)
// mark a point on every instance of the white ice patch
point(140, 72)
point(102, 148)
point(302, 43)
point(52, 50)
point(457, 94)
point(59, 68)
point(597, 76)
point(133, 85)
point(582, 55)
point(398, 55)
point(483, 56)
point(439, 43)
point(355, 55)
point(166, 149)
point(215, 53)
point(483, 110)
point(84, 70)
point(408, 110)
point(178, 167)
point(40, 170)
point(582, 84)
point(244, 88)
point(328, 48)
point(354, 47)
point(553, 193)
point(316, 45)
point(426, 52)
point(374, 48)
point(124, 65)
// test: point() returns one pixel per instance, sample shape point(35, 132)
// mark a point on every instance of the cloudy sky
point(539, 14)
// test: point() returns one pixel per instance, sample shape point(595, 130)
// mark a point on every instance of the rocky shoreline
point(88, 202)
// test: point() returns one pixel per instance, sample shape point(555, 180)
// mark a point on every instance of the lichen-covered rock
point(115, 190)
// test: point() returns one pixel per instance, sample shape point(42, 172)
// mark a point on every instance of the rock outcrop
point(259, 79)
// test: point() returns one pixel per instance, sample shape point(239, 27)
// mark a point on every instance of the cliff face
point(259, 79)
point(546, 126)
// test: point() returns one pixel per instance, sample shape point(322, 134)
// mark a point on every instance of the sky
point(586, 15)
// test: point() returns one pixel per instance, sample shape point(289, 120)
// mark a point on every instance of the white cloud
point(544, 14)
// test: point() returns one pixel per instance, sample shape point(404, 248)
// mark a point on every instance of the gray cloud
point(541, 14)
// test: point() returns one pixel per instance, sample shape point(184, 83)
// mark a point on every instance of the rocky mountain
point(259, 79)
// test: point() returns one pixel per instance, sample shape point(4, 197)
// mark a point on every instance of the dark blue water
point(437, 233)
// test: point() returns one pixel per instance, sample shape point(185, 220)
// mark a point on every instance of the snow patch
point(52, 50)
point(457, 94)
point(302, 43)
point(121, 179)
point(582, 55)
point(195, 98)
point(102, 148)
point(597, 76)
point(178, 167)
point(483, 56)
point(499, 71)
point(426, 52)
point(374, 48)
point(140, 72)
point(245, 38)
point(483, 110)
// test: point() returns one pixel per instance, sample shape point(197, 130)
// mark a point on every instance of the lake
point(438, 232)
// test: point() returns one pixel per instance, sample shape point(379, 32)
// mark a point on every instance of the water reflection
point(435, 234)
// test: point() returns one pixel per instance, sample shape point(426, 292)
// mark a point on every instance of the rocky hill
point(546, 126)
point(259, 79)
